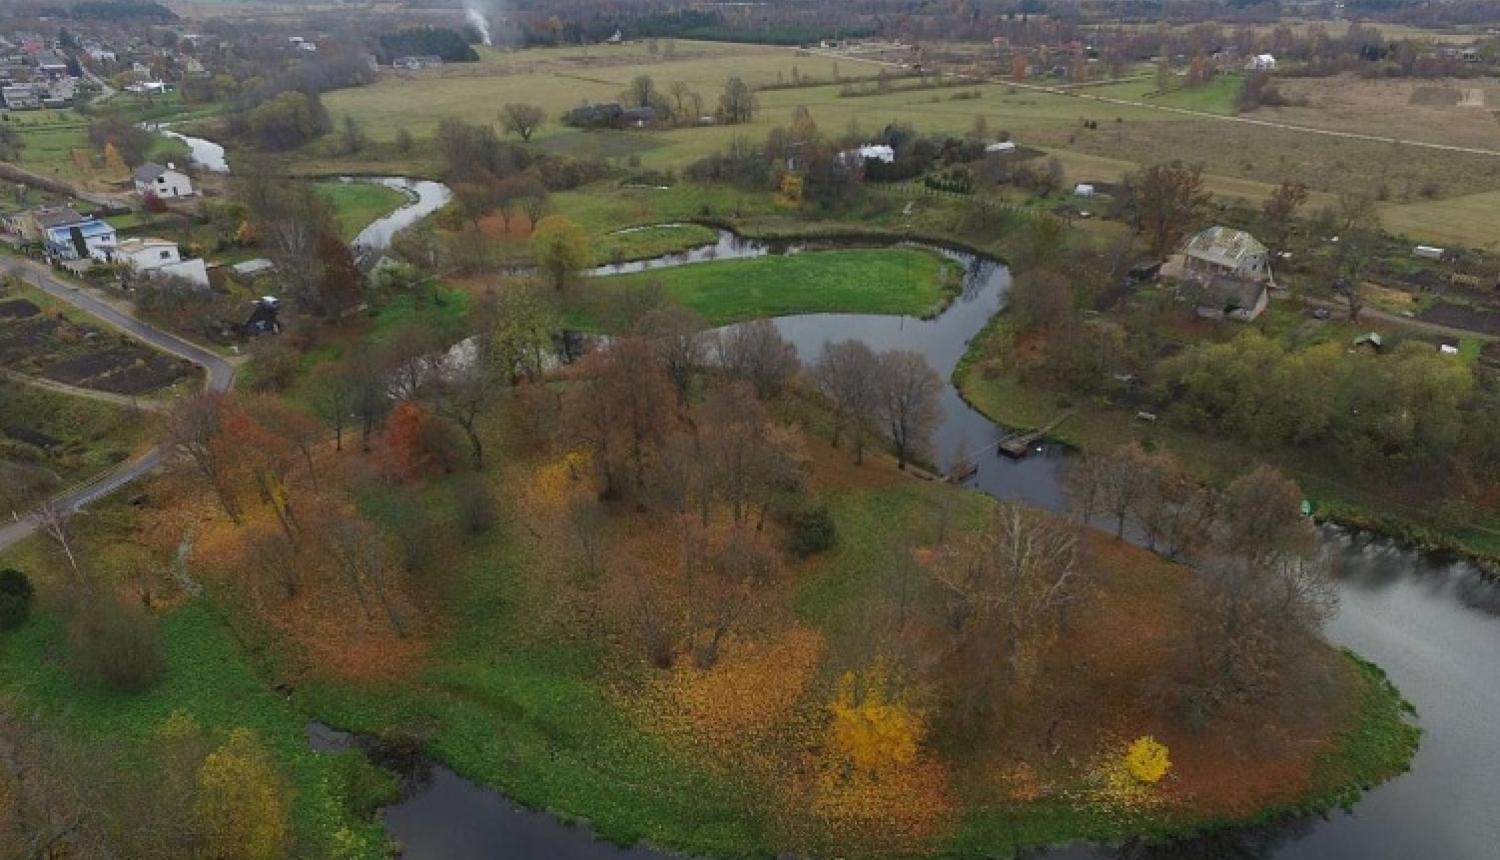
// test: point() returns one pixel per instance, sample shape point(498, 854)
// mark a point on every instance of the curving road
point(219, 376)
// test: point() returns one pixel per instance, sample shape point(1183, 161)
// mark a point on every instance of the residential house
point(1223, 252)
point(159, 257)
point(89, 239)
point(1262, 63)
point(33, 224)
point(264, 317)
point(605, 115)
point(638, 116)
point(21, 97)
point(165, 182)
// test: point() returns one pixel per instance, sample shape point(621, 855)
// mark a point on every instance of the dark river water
point(1433, 625)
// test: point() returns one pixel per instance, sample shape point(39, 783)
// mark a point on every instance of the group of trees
point(1411, 407)
point(206, 793)
point(1262, 588)
point(897, 391)
point(296, 226)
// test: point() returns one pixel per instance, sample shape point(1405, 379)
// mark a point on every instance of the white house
point(159, 257)
point(878, 151)
point(1003, 147)
point(165, 182)
point(1262, 63)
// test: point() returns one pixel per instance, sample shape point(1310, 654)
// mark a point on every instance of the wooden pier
point(1018, 444)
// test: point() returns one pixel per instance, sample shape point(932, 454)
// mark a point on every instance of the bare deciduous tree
point(1007, 586)
point(522, 119)
point(848, 373)
point(192, 425)
point(756, 352)
point(911, 402)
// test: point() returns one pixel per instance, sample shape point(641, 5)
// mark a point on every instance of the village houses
point(166, 182)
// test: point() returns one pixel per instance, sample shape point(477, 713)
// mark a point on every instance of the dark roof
point(148, 172)
point(57, 217)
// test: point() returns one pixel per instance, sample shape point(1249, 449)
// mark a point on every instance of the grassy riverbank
point(210, 677)
point(866, 281)
point(358, 204)
point(1366, 500)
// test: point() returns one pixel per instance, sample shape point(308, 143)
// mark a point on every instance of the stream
point(1430, 623)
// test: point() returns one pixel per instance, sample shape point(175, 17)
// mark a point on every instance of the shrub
point(116, 644)
point(15, 599)
point(813, 530)
point(474, 507)
point(1147, 759)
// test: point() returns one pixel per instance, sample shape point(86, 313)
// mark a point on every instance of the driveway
point(218, 376)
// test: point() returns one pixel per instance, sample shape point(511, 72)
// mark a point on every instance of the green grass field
point(208, 678)
point(50, 137)
point(1217, 96)
point(1239, 160)
point(871, 281)
point(357, 204)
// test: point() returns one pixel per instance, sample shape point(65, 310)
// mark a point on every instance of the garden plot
point(63, 350)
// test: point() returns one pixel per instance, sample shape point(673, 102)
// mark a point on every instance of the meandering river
point(1434, 625)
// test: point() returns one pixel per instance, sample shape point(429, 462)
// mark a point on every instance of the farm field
point(1240, 160)
point(1452, 111)
point(37, 338)
point(1472, 220)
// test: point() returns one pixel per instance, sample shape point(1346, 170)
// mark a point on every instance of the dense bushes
point(115, 644)
point(15, 599)
point(812, 529)
point(288, 120)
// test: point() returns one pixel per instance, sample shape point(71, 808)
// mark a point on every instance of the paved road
point(219, 376)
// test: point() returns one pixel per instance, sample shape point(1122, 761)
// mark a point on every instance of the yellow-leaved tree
point(878, 789)
point(242, 801)
point(874, 729)
point(1146, 759)
point(113, 162)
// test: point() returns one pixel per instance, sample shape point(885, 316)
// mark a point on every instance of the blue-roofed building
point(90, 238)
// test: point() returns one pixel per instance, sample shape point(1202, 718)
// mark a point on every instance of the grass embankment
point(73, 436)
point(357, 204)
point(1362, 499)
point(210, 677)
point(870, 281)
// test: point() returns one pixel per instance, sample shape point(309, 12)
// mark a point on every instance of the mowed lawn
point(357, 204)
point(870, 281)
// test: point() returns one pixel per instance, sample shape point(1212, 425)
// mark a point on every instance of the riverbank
point(1368, 502)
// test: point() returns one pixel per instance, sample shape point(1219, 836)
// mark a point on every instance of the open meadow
point(1095, 141)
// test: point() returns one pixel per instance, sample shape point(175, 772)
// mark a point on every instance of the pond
point(1429, 622)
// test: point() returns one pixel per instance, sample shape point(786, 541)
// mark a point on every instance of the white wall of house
point(170, 184)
